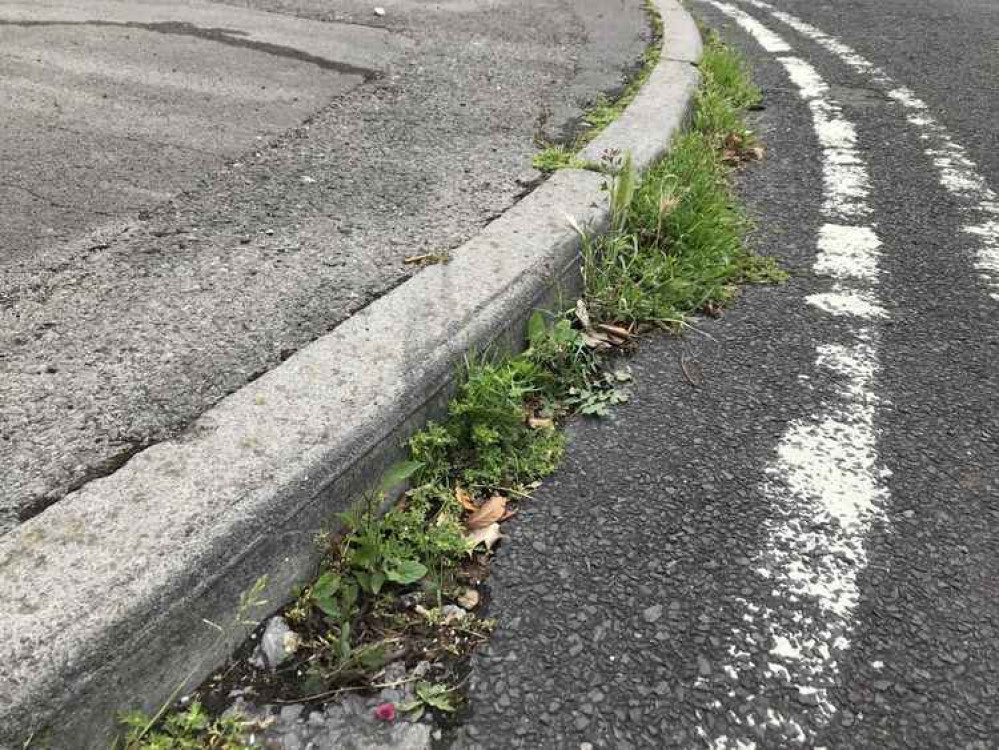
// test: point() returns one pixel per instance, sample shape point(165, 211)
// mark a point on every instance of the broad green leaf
point(326, 585)
point(349, 597)
point(535, 328)
point(435, 695)
point(373, 657)
point(366, 554)
point(364, 579)
point(344, 642)
point(327, 604)
point(405, 571)
point(399, 473)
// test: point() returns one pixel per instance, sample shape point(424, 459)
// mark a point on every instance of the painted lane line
point(841, 302)
point(957, 172)
point(826, 484)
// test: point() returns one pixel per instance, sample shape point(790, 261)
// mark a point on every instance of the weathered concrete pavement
point(802, 550)
point(193, 191)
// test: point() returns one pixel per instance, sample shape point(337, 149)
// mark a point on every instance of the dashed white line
point(826, 484)
point(958, 173)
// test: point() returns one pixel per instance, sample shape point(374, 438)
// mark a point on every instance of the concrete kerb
point(130, 587)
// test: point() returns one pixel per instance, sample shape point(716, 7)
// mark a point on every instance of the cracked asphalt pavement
point(802, 550)
point(191, 192)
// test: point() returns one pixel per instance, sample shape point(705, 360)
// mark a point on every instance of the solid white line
point(826, 484)
point(764, 37)
point(958, 173)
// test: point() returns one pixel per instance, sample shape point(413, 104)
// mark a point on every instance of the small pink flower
point(385, 711)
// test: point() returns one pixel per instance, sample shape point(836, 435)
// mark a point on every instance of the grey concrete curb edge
point(106, 596)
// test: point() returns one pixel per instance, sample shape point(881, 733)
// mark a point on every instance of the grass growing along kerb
point(605, 109)
point(677, 246)
point(726, 93)
point(674, 247)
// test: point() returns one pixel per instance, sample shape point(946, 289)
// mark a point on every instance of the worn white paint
point(826, 484)
point(848, 252)
point(957, 172)
point(848, 303)
point(766, 38)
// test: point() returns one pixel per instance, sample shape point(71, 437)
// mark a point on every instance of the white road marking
point(958, 173)
point(848, 252)
point(853, 303)
point(826, 484)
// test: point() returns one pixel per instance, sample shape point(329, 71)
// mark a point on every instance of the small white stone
point(276, 645)
point(379, 11)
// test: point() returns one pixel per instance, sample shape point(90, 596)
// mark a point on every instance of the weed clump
point(190, 729)
point(399, 578)
point(605, 109)
point(676, 244)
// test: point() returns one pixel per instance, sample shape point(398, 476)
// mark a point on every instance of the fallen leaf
point(465, 499)
point(428, 258)
point(622, 376)
point(487, 536)
point(469, 600)
point(490, 512)
point(692, 370)
point(623, 333)
point(582, 314)
point(596, 340)
point(538, 423)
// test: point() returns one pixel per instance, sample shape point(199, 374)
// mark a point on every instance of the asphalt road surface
point(190, 192)
point(796, 544)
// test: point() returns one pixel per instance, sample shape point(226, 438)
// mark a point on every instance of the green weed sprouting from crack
point(674, 246)
point(605, 109)
point(192, 728)
point(555, 157)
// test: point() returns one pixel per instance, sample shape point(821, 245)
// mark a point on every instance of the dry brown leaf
point(596, 340)
point(582, 314)
point(465, 499)
point(538, 423)
point(469, 600)
point(428, 258)
point(487, 536)
point(623, 333)
point(490, 512)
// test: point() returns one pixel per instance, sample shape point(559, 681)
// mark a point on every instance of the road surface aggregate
point(634, 602)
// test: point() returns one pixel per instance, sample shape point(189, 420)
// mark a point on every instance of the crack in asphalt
point(228, 37)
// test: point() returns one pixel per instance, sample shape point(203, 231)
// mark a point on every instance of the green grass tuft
point(190, 729)
point(556, 157)
point(726, 71)
point(605, 109)
point(676, 244)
